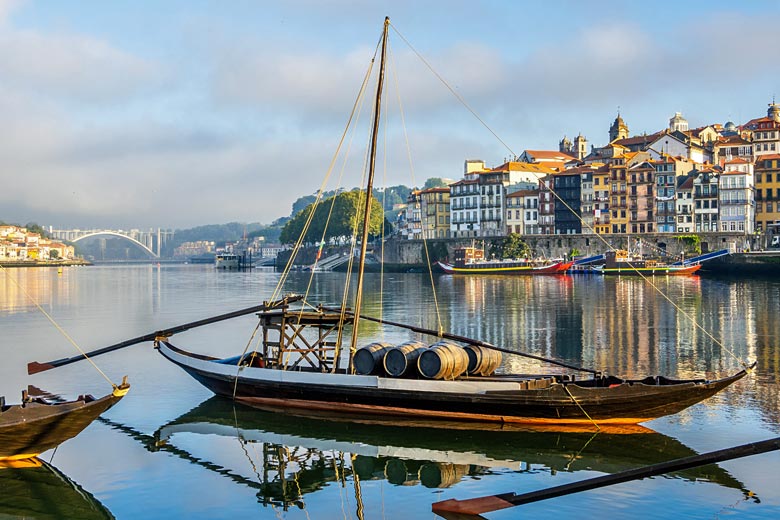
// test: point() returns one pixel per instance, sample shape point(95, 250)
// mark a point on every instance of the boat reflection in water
point(32, 488)
point(286, 457)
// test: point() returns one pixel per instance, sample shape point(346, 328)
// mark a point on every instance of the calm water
point(170, 449)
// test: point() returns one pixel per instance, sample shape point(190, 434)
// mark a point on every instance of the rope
point(299, 242)
point(566, 387)
point(57, 326)
point(440, 328)
point(454, 93)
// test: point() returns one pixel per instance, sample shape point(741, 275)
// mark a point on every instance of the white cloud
point(73, 66)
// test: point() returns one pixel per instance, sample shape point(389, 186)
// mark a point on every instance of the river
point(170, 449)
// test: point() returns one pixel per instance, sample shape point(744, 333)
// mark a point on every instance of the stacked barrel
point(441, 360)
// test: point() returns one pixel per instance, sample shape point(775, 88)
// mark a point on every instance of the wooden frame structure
point(288, 341)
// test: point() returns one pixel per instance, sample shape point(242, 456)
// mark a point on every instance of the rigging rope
point(58, 327)
point(439, 326)
point(299, 242)
point(744, 364)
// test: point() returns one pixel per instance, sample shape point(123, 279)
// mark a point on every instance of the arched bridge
point(150, 241)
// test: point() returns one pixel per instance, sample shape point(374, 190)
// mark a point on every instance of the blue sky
point(181, 113)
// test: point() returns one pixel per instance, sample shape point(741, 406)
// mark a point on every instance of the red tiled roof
point(639, 139)
point(550, 155)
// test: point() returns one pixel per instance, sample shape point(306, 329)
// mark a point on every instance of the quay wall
point(412, 252)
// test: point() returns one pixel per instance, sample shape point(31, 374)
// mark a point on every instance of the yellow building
point(435, 212)
point(767, 179)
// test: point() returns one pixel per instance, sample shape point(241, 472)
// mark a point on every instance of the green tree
point(347, 207)
point(54, 254)
point(514, 247)
point(435, 182)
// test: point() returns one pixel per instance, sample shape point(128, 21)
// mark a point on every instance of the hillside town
point(714, 178)
point(17, 244)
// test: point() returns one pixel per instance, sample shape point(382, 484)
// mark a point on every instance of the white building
point(737, 202)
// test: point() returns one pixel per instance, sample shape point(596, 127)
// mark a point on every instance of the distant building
point(435, 212)
point(568, 197)
point(678, 123)
point(737, 204)
point(684, 204)
point(767, 179)
point(618, 129)
point(705, 199)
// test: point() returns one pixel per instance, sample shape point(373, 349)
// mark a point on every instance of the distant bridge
point(150, 241)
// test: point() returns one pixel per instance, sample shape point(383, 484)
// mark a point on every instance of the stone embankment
point(42, 263)
point(411, 253)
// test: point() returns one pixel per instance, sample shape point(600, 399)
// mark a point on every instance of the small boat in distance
point(37, 424)
point(471, 260)
point(623, 263)
point(226, 261)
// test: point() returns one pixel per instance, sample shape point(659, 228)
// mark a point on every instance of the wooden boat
point(32, 488)
point(469, 260)
point(621, 262)
point(303, 361)
point(37, 424)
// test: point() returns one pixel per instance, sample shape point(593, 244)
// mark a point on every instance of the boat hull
point(29, 430)
point(651, 271)
point(517, 268)
point(498, 399)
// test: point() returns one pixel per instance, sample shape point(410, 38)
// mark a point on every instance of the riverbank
point(43, 263)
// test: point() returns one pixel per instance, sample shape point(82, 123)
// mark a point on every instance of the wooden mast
point(369, 189)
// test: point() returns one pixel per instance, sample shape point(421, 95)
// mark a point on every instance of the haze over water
point(168, 449)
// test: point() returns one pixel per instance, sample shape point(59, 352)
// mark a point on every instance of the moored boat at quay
point(622, 263)
point(470, 260)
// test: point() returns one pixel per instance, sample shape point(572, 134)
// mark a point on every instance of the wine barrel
point(483, 361)
point(442, 474)
point(399, 360)
point(368, 359)
point(443, 360)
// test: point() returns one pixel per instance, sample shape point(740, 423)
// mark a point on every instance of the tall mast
point(369, 189)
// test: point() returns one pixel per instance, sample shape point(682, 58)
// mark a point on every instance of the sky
point(174, 114)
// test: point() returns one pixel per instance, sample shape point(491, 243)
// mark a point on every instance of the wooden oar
point(464, 339)
point(476, 506)
point(34, 367)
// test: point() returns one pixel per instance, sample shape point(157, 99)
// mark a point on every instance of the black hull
point(560, 403)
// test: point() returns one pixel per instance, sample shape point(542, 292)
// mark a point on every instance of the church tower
point(580, 148)
point(774, 112)
point(618, 130)
point(565, 145)
point(678, 122)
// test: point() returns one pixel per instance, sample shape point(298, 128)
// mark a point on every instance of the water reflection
point(35, 489)
point(285, 457)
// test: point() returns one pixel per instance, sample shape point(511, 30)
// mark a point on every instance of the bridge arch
point(120, 235)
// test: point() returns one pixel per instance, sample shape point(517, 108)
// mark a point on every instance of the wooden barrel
point(368, 359)
point(402, 359)
point(442, 474)
point(483, 361)
point(443, 360)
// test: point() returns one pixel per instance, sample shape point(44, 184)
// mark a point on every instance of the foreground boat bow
point(37, 425)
